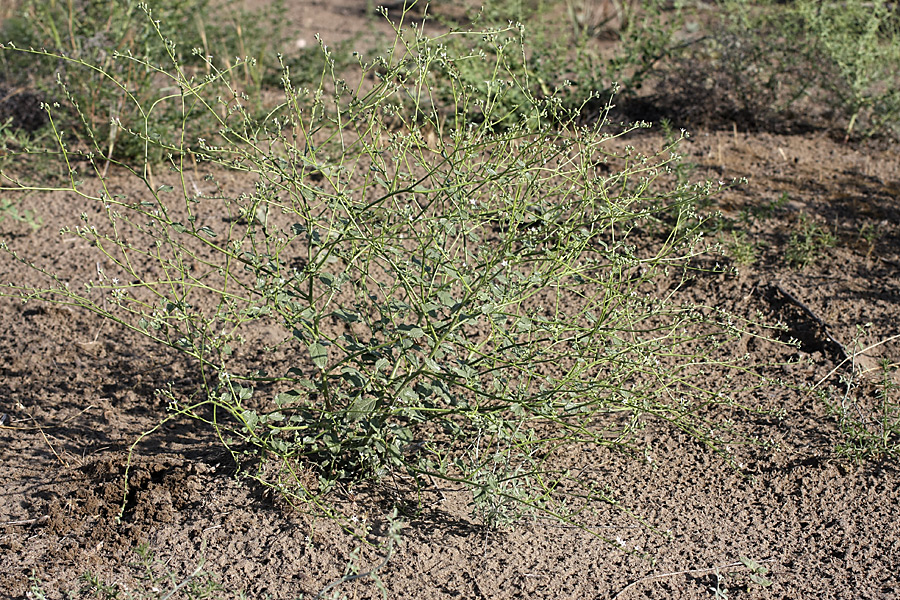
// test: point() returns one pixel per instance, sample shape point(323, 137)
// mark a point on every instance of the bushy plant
point(378, 289)
point(807, 243)
point(762, 61)
point(93, 55)
point(565, 59)
point(869, 419)
point(859, 42)
point(758, 51)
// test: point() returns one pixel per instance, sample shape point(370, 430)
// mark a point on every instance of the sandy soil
point(76, 392)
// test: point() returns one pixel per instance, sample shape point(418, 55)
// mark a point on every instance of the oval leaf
point(319, 355)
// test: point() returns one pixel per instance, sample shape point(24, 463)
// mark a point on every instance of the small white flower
point(620, 541)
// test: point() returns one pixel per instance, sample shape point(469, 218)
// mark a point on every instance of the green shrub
point(808, 241)
point(565, 60)
point(383, 290)
point(869, 419)
point(104, 60)
point(763, 61)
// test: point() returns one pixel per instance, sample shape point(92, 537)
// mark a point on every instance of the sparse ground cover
point(422, 313)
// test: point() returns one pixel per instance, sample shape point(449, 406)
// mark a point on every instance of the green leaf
point(179, 228)
point(319, 355)
point(758, 571)
point(289, 397)
point(752, 565)
point(446, 299)
point(209, 232)
point(424, 388)
point(250, 418)
point(279, 446)
point(257, 311)
point(306, 384)
point(273, 417)
point(362, 407)
point(408, 394)
point(332, 443)
point(345, 316)
point(356, 379)
point(165, 188)
point(413, 331)
point(464, 371)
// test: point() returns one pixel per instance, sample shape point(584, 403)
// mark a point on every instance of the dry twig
point(729, 566)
